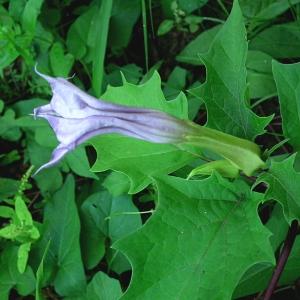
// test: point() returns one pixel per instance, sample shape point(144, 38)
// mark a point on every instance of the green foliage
point(225, 86)
point(106, 219)
point(283, 182)
point(208, 216)
point(183, 246)
point(63, 263)
point(279, 41)
point(287, 79)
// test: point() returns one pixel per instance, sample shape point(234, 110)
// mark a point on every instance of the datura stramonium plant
point(76, 117)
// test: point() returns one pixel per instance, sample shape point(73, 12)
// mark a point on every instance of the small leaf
point(61, 63)
point(23, 252)
point(165, 26)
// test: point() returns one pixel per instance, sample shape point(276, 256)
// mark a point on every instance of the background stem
point(284, 254)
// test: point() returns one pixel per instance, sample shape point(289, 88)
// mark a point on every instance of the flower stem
point(284, 254)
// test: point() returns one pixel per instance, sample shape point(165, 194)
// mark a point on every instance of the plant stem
point(284, 254)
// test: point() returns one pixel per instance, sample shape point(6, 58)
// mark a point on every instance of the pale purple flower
point(76, 116)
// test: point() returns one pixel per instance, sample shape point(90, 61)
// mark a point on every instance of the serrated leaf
point(225, 86)
point(140, 160)
point(283, 186)
point(287, 81)
point(257, 277)
point(199, 235)
point(62, 227)
point(261, 275)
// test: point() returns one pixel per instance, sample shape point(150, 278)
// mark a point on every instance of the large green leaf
point(279, 41)
point(201, 239)
point(283, 186)
point(287, 80)
point(139, 159)
point(62, 264)
point(225, 86)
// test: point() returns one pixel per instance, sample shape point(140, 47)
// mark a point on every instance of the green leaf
point(99, 30)
point(8, 126)
point(263, 10)
point(61, 226)
point(23, 253)
point(79, 164)
point(259, 75)
point(104, 217)
point(10, 276)
point(287, 81)
point(102, 287)
point(258, 276)
point(224, 167)
point(116, 183)
point(124, 15)
point(8, 187)
point(175, 83)
point(192, 53)
point(198, 235)
point(165, 26)
point(22, 212)
point(61, 63)
point(283, 186)
point(40, 275)
point(78, 33)
point(225, 86)
point(140, 160)
point(30, 15)
point(279, 41)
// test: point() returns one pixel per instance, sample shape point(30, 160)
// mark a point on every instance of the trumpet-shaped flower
point(76, 116)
